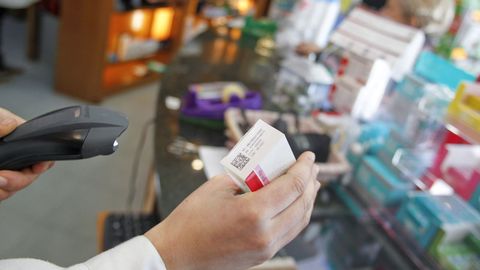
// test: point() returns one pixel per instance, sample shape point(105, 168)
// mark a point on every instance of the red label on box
point(253, 182)
point(257, 179)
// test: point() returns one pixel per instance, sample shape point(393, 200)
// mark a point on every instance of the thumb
point(8, 122)
point(7, 125)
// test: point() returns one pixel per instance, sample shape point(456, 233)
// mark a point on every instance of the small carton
point(260, 156)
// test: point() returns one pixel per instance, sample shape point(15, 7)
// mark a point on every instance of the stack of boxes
point(386, 174)
point(375, 177)
point(417, 109)
point(446, 226)
point(376, 51)
point(380, 182)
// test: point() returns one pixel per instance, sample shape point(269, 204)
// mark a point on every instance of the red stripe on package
point(253, 182)
point(257, 179)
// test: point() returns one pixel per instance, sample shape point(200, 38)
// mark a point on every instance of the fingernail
point(3, 182)
point(44, 166)
point(310, 156)
point(318, 185)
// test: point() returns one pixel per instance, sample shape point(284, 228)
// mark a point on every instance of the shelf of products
point(103, 50)
point(396, 237)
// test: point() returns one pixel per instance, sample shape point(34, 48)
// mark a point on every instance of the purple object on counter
point(213, 107)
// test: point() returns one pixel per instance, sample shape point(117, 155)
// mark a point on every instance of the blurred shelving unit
point(105, 48)
point(93, 60)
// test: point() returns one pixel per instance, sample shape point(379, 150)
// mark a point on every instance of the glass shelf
point(391, 233)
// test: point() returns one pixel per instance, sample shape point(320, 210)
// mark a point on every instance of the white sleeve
point(137, 253)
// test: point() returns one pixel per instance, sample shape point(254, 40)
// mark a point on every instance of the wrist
point(166, 250)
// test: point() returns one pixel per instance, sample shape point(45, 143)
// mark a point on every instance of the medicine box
point(428, 217)
point(466, 106)
point(441, 71)
point(365, 32)
point(380, 182)
point(260, 156)
point(360, 90)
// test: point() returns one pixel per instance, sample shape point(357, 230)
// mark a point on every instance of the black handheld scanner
point(70, 133)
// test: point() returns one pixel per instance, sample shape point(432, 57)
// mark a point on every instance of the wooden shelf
point(90, 31)
point(163, 55)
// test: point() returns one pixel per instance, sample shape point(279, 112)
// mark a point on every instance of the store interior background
point(56, 218)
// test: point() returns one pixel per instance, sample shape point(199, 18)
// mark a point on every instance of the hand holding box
point(260, 156)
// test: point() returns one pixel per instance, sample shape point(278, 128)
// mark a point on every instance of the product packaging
point(260, 156)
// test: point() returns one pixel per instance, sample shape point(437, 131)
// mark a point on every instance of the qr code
point(240, 161)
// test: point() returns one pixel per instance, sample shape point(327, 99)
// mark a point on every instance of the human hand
point(13, 181)
point(216, 227)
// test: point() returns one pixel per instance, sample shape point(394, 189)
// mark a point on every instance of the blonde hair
point(433, 16)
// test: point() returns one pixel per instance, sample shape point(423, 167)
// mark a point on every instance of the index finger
point(282, 192)
point(4, 113)
point(17, 180)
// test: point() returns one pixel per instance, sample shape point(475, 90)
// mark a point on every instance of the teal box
point(380, 182)
point(428, 217)
point(475, 199)
point(441, 71)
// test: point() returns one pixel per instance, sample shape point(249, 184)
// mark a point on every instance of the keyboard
point(120, 227)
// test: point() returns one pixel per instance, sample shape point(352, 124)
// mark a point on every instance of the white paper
point(211, 157)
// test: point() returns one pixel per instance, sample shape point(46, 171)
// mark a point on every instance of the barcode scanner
point(70, 133)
